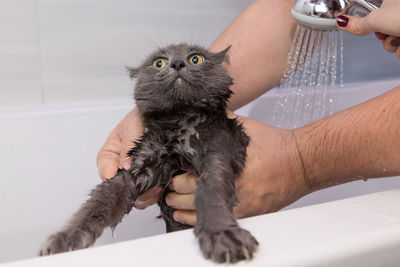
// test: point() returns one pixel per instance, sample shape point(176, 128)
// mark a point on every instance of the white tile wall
point(79, 48)
point(19, 54)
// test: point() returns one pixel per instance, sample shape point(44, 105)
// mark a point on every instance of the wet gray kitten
point(181, 93)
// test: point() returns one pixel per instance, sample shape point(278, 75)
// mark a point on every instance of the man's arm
point(260, 37)
point(357, 143)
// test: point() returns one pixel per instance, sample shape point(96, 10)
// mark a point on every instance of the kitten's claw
point(230, 245)
point(227, 257)
point(246, 253)
point(65, 241)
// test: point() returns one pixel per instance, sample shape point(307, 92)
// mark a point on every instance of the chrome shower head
point(322, 14)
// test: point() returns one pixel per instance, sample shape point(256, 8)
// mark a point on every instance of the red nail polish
point(342, 21)
point(395, 42)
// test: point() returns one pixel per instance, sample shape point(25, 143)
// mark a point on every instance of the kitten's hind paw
point(66, 241)
point(229, 246)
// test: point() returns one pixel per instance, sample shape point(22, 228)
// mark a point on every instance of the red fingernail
point(342, 21)
point(395, 42)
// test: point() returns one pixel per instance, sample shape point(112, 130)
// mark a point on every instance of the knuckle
point(356, 28)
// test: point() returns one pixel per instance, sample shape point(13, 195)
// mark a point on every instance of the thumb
point(354, 25)
point(130, 128)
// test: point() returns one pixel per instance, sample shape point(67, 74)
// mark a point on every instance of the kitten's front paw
point(230, 245)
point(66, 241)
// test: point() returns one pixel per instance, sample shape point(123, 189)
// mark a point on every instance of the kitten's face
point(181, 75)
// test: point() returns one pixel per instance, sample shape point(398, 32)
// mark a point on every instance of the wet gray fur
point(183, 109)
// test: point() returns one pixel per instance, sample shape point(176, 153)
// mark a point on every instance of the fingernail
point(171, 186)
point(126, 165)
point(395, 42)
point(177, 217)
point(342, 21)
point(168, 200)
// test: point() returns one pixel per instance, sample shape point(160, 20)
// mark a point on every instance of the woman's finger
point(390, 44)
point(185, 217)
point(185, 183)
point(354, 25)
point(381, 36)
point(180, 201)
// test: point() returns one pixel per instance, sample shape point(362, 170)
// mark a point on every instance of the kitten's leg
point(220, 237)
point(112, 199)
point(107, 204)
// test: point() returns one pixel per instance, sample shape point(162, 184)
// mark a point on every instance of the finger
point(353, 25)
point(381, 36)
point(185, 217)
point(398, 52)
point(148, 198)
point(108, 158)
point(180, 201)
point(390, 44)
point(108, 166)
point(184, 183)
point(395, 42)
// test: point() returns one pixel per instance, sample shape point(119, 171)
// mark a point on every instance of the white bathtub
point(48, 167)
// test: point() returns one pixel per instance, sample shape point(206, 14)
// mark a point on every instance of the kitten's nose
point(177, 63)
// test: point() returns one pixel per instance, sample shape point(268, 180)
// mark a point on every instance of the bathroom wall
point(54, 51)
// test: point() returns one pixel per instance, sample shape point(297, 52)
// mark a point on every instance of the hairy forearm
point(357, 143)
point(260, 37)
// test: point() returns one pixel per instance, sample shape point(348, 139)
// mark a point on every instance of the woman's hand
point(272, 179)
point(113, 154)
point(384, 21)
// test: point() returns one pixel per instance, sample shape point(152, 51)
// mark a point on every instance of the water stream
point(314, 66)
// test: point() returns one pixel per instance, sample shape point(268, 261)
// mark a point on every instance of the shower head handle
point(369, 5)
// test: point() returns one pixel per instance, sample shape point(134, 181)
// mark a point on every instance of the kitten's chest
point(185, 140)
point(184, 137)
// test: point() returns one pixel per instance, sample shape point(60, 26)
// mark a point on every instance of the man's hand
point(113, 154)
point(272, 179)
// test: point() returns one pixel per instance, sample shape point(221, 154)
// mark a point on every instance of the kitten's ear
point(223, 55)
point(133, 72)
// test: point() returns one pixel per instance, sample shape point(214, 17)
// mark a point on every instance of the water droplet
point(314, 66)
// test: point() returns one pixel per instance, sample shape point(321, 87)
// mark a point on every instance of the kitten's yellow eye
point(159, 63)
point(196, 59)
